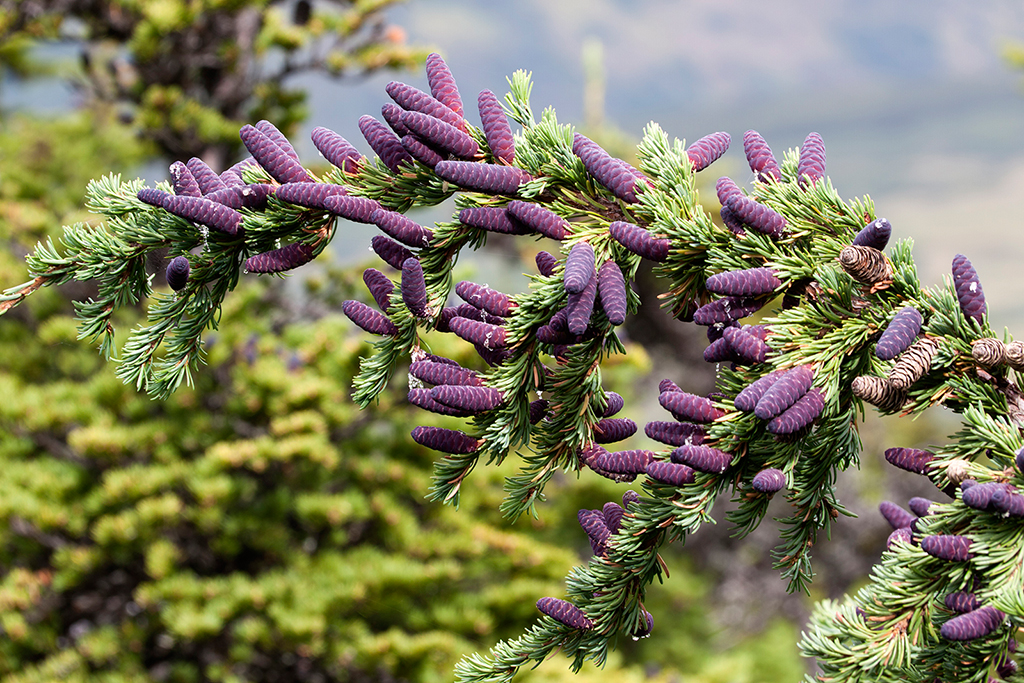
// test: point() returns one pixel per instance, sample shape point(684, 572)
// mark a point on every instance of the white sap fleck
point(974, 287)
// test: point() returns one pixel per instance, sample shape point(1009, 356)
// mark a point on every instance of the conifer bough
point(855, 326)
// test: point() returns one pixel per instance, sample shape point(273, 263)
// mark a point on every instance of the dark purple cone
point(392, 114)
point(592, 522)
point(811, 166)
point(414, 287)
point(278, 138)
point(612, 429)
point(611, 288)
point(968, 288)
point(759, 156)
point(337, 150)
point(580, 307)
point(976, 624)
point(539, 218)
point(493, 219)
point(719, 352)
point(727, 190)
point(589, 456)
point(232, 178)
point(920, 506)
point(625, 462)
point(272, 158)
point(384, 142)
point(439, 374)
point(414, 99)
point(442, 83)
point(903, 534)
point(487, 178)
point(368, 319)
point(607, 170)
point(962, 602)
point(492, 356)
point(177, 273)
point(421, 398)
point(726, 309)
point(244, 196)
point(445, 440)
point(496, 128)
point(469, 398)
point(421, 151)
point(579, 267)
point(1008, 502)
point(757, 216)
point(717, 331)
point(440, 135)
point(614, 403)
point(488, 336)
point(675, 433)
point(279, 260)
point(473, 313)
point(979, 496)
point(564, 612)
point(707, 150)
point(358, 209)
point(910, 459)
point(948, 547)
point(875, 234)
point(629, 497)
point(769, 480)
point(613, 513)
point(401, 228)
point(689, 408)
point(899, 334)
point(672, 473)
point(667, 385)
point(802, 413)
point(639, 241)
point(749, 350)
point(380, 286)
point(750, 282)
point(537, 410)
point(644, 628)
point(702, 458)
point(785, 392)
point(895, 515)
point(481, 296)
point(310, 195)
point(732, 221)
point(546, 263)
point(184, 182)
point(390, 251)
point(206, 179)
point(201, 210)
point(747, 399)
point(759, 331)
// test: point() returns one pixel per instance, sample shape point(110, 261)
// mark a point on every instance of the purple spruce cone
point(487, 178)
point(899, 334)
point(177, 273)
point(639, 240)
point(811, 166)
point(497, 131)
point(707, 150)
point(968, 288)
point(759, 156)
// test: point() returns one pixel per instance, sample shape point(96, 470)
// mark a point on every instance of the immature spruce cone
point(707, 150)
point(757, 216)
point(612, 429)
point(380, 286)
point(747, 348)
point(579, 267)
point(811, 166)
point(962, 602)
point(702, 458)
point(799, 415)
point(866, 265)
point(968, 288)
point(493, 219)
point(1015, 355)
point(759, 156)
point(988, 352)
point(368, 319)
point(675, 433)
point(414, 287)
point(719, 352)
point(673, 473)
point(177, 273)
point(487, 178)
point(537, 410)
point(276, 161)
point(750, 282)
point(899, 334)
point(546, 263)
point(473, 399)
point(687, 407)
point(442, 83)
point(596, 528)
point(613, 404)
point(903, 534)
point(539, 218)
point(278, 138)
point(337, 150)
point(732, 221)
point(414, 99)
point(785, 392)
point(421, 398)
point(565, 612)
point(639, 240)
point(667, 385)
point(613, 513)
point(607, 170)
point(440, 135)
point(206, 179)
point(495, 125)
point(948, 547)
point(491, 300)
point(879, 392)
point(611, 288)
point(358, 209)
point(913, 364)
point(747, 399)
point(727, 190)
point(200, 210)
point(438, 374)
point(390, 251)
point(247, 196)
point(422, 152)
point(184, 182)
point(384, 142)
point(401, 227)
point(769, 480)
point(445, 440)
point(279, 260)
point(727, 309)
point(895, 515)
point(920, 506)
point(626, 462)
point(976, 624)
point(910, 459)
point(875, 234)
point(979, 496)
point(392, 114)
point(580, 307)
point(482, 334)
point(1007, 502)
